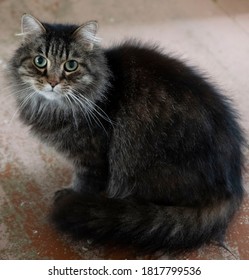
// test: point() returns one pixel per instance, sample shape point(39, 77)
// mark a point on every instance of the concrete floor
point(214, 35)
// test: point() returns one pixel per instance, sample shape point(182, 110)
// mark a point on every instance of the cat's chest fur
point(76, 143)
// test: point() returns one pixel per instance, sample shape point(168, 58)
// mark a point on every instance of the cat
point(157, 149)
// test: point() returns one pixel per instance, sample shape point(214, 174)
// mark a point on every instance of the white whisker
point(22, 105)
point(72, 109)
point(90, 112)
point(7, 96)
point(95, 107)
point(82, 109)
point(88, 105)
point(12, 89)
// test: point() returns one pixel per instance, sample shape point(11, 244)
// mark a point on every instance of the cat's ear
point(86, 34)
point(30, 26)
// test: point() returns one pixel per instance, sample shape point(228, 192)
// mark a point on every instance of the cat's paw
point(60, 194)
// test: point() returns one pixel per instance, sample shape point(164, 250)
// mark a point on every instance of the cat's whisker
point(97, 120)
point(91, 112)
point(94, 107)
point(4, 97)
point(22, 105)
point(8, 87)
point(72, 109)
point(102, 113)
point(11, 90)
point(26, 99)
point(15, 93)
point(82, 109)
point(95, 88)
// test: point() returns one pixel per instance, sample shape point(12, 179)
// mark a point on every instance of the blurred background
point(210, 34)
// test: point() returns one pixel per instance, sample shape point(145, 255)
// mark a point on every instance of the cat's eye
point(71, 65)
point(40, 61)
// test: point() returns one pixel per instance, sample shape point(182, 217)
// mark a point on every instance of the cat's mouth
point(52, 91)
point(50, 94)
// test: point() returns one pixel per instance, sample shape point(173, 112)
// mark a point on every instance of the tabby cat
point(157, 149)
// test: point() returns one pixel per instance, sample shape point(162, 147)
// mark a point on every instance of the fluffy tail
point(151, 227)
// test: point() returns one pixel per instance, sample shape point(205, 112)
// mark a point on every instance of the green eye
point(71, 65)
point(40, 61)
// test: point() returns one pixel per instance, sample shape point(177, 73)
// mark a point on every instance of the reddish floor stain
point(42, 238)
point(7, 172)
point(31, 236)
point(238, 233)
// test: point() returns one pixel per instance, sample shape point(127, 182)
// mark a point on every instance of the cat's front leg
point(89, 181)
point(84, 181)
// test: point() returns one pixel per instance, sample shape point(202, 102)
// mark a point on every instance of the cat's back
point(135, 65)
point(133, 57)
point(145, 79)
point(144, 70)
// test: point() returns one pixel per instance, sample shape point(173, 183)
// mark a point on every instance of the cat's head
point(57, 63)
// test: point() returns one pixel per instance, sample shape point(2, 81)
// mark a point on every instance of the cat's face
point(58, 63)
point(55, 72)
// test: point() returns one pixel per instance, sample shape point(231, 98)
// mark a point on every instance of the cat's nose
point(53, 82)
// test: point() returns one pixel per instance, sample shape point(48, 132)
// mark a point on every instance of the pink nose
point(53, 82)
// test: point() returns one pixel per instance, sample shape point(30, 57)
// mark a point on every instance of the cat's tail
point(151, 227)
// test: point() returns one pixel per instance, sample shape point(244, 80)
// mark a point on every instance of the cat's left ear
point(86, 34)
point(30, 26)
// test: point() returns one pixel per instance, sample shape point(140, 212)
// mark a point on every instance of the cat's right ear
point(30, 26)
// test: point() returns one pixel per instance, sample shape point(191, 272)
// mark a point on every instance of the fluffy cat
point(157, 149)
